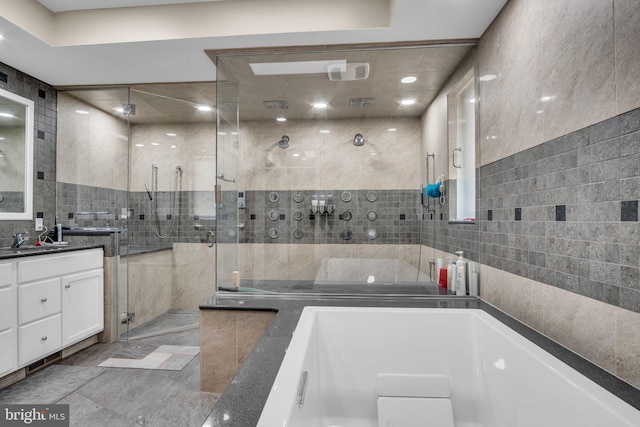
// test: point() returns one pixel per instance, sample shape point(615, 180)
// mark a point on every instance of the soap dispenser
point(461, 274)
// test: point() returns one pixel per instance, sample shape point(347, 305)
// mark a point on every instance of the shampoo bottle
point(461, 275)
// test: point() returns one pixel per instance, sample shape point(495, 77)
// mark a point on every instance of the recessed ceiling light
point(139, 145)
point(547, 98)
point(173, 146)
point(325, 131)
point(487, 77)
point(296, 154)
point(409, 79)
point(155, 143)
point(319, 105)
point(204, 108)
point(407, 101)
point(171, 134)
point(82, 112)
point(392, 129)
point(281, 119)
point(10, 116)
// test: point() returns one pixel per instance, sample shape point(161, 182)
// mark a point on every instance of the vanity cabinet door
point(8, 314)
point(82, 305)
point(8, 356)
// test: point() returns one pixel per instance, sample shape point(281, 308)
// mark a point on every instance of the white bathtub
point(497, 377)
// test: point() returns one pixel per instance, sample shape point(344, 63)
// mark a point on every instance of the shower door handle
point(458, 165)
point(211, 238)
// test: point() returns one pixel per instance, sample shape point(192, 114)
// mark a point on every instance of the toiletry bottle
point(442, 278)
point(451, 283)
point(461, 275)
point(473, 279)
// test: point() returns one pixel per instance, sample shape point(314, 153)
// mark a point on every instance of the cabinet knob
point(44, 338)
point(44, 299)
point(67, 286)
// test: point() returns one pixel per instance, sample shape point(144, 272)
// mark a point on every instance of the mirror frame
point(27, 213)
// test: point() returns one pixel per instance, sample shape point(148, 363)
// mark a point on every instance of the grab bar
point(221, 176)
point(302, 387)
point(92, 213)
point(429, 207)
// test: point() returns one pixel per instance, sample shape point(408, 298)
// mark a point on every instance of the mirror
point(16, 156)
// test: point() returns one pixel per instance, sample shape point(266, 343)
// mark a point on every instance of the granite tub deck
point(243, 400)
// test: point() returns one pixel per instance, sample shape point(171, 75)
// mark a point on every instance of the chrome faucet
point(19, 239)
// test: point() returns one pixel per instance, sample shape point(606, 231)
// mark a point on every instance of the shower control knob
point(347, 234)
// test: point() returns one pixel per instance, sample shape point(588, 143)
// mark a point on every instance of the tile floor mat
point(165, 357)
point(49, 385)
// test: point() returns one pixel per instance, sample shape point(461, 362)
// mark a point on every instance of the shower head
point(179, 168)
point(284, 142)
point(358, 140)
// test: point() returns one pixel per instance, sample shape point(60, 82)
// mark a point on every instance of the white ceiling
point(135, 55)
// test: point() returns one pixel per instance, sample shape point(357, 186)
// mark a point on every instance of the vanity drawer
point(44, 266)
point(38, 300)
point(39, 339)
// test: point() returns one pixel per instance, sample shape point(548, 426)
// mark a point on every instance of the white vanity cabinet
point(8, 318)
point(59, 300)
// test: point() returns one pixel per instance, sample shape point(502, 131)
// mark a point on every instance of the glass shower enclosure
point(322, 171)
point(136, 174)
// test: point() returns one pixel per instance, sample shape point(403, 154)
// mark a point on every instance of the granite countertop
point(30, 250)
point(241, 403)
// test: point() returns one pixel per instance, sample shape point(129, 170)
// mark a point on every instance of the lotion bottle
point(461, 275)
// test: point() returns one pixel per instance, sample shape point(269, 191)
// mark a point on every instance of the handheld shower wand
point(149, 193)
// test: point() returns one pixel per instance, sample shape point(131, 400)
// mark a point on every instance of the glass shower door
point(171, 207)
point(228, 191)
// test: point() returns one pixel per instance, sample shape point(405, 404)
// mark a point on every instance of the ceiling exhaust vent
point(361, 102)
point(348, 72)
point(276, 105)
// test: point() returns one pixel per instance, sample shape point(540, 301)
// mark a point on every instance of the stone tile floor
point(121, 397)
